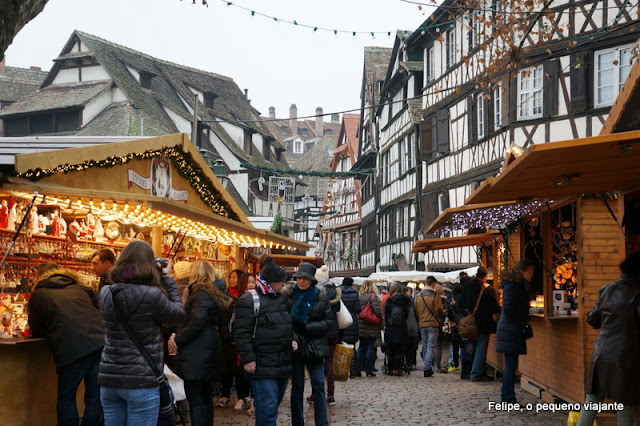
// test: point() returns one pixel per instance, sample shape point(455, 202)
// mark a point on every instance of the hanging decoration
point(281, 190)
point(276, 227)
point(183, 164)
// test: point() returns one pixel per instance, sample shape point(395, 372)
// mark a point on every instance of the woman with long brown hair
point(368, 332)
point(146, 297)
point(198, 341)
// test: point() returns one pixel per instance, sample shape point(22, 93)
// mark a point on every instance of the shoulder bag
point(343, 316)
point(367, 315)
point(445, 327)
point(468, 327)
point(167, 412)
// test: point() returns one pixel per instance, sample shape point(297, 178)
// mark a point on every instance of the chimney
point(33, 68)
point(319, 122)
point(293, 119)
point(2, 65)
point(335, 118)
point(246, 96)
point(272, 113)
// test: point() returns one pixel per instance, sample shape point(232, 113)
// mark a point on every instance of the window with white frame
point(402, 152)
point(411, 163)
point(612, 68)
point(405, 221)
point(297, 147)
point(398, 227)
point(480, 115)
point(431, 64)
point(477, 27)
point(497, 106)
point(530, 90)
point(451, 47)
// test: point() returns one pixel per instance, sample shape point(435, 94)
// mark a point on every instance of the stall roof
point(477, 216)
point(288, 260)
point(424, 246)
point(405, 276)
point(570, 168)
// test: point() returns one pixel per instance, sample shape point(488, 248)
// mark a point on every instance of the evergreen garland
point(356, 173)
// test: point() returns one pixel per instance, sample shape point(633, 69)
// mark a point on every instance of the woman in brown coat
point(367, 332)
point(614, 372)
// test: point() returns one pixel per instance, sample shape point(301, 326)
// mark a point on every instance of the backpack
point(256, 310)
point(396, 319)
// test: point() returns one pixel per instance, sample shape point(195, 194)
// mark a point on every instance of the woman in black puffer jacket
point(312, 318)
point(350, 334)
point(515, 316)
point(396, 310)
point(128, 387)
point(198, 341)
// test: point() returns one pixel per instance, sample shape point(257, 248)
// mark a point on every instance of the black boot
point(209, 414)
point(199, 415)
point(465, 370)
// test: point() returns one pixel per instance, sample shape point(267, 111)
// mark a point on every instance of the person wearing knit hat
point(264, 338)
point(312, 319)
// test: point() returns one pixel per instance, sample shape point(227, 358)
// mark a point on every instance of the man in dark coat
point(614, 372)
point(487, 308)
point(264, 338)
point(349, 335)
point(67, 314)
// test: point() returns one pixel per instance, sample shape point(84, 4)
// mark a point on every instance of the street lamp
point(221, 172)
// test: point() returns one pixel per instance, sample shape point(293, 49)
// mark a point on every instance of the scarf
point(264, 286)
point(303, 303)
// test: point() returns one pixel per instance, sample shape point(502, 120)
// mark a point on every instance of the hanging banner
point(159, 181)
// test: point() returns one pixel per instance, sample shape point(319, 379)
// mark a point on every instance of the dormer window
point(209, 100)
point(145, 79)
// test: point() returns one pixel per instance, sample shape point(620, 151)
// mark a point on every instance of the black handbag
point(167, 413)
point(527, 331)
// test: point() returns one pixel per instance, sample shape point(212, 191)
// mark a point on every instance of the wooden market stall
point(583, 234)
point(157, 189)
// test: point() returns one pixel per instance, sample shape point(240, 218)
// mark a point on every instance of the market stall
point(577, 244)
point(157, 189)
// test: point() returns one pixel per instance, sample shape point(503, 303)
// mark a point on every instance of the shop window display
point(564, 261)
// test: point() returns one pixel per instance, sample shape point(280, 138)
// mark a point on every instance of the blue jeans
point(316, 376)
point(479, 368)
point(267, 396)
point(69, 378)
point(625, 416)
point(366, 356)
point(429, 341)
point(130, 407)
point(508, 393)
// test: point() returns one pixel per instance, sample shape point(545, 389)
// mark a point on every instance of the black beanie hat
point(347, 281)
point(271, 272)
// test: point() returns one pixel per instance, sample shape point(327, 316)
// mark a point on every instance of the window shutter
point(442, 128)
point(508, 104)
point(429, 209)
point(472, 119)
point(551, 71)
point(488, 116)
point(579, 81)
point(426, 139)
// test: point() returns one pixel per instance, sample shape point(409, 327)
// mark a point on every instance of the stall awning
point(24, 188)
point(570, 168)
point(287, 260)
point(479, 216)
point(424, 246)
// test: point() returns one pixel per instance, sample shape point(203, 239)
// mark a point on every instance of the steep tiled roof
point(415, 110)
point(376, 61)
point(415, 66)
point(317, 159)
point(16, 83)
point(56, 97)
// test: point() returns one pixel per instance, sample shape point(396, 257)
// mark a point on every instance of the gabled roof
point(56, 98)
point(316, 159)
point(348, 131)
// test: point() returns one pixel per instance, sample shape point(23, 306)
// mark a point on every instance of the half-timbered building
point(561, 88)
point(376, 62)
point(398, 116)
point(341, 222)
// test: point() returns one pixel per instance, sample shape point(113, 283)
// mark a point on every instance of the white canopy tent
point(416, 276)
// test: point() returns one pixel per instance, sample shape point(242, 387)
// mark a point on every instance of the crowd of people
point(255, 333)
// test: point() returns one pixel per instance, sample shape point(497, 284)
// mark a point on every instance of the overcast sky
point(279, 63)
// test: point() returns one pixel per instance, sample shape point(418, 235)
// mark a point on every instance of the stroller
point(405, 368)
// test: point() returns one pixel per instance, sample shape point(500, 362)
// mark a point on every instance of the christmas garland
point(294, 172)
point(208, 194)
point(317, 214)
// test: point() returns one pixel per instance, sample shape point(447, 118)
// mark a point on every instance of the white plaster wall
point(240, 181)
point(117, 95)
point(134, 72)
point(227, 156)
point(66, 76)
point(95, 106)
point(183, 125)
point(197, 92)
point(95, 73)
point(236, 133)
point(83, 47)
point(257, 141)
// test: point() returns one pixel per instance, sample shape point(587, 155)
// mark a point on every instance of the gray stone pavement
point(443, 399)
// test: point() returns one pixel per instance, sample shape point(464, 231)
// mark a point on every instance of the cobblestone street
point(443, 399)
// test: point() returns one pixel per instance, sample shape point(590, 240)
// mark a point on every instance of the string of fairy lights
point(495, 7)
point(208, 194)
